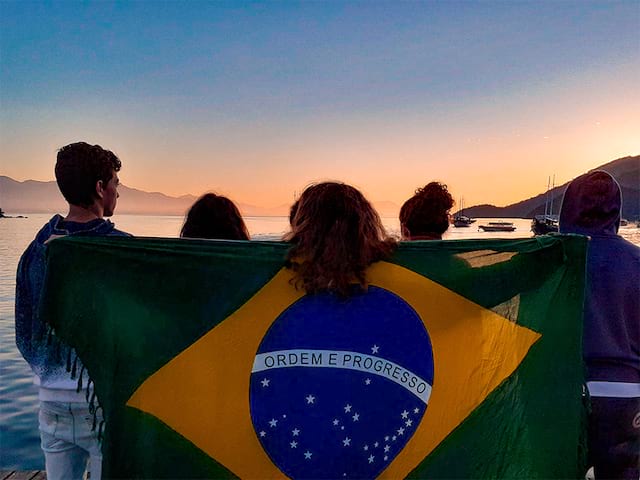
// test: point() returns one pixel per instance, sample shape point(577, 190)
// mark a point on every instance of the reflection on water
point(19, 438)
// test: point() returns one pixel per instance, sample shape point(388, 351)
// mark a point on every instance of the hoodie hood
point(591, 205)
point(58, 227)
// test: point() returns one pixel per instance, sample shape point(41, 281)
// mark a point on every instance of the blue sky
point(256, 99)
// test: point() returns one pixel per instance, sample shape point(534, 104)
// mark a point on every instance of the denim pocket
point(48, 421)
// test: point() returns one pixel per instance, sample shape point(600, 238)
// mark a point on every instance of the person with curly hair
point(425, 216)
point(336, 234)
point(214, 217)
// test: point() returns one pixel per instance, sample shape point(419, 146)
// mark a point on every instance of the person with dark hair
point(611, 336)
point(425, 216)
point(336, 234)
point(214, 216)
point(88, 179)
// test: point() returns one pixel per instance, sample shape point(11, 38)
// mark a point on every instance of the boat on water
point(547, 223)
point(460, 219)
point(544, 224)
point(498, 227)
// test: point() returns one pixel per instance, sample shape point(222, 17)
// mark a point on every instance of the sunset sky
point(256, 100)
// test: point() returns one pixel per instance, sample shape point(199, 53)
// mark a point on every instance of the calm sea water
point(19, 439)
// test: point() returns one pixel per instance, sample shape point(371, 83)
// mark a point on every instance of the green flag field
point(461, 359)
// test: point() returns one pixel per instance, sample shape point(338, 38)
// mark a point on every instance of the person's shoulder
point(616, 249)
point(48, 229)
point(119, 233)
point(44, 234)
point(631, 248)
point(35, 250)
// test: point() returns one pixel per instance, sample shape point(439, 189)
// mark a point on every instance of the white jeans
point(68, 442)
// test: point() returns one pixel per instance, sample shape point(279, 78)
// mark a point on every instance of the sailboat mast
point(553, 184)
point(546, 199)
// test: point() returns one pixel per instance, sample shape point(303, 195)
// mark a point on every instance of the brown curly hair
point(426, 214)
point(336, 235)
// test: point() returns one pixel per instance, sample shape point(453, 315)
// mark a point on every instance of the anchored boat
point(498, 227)
point(547, 223)
point(460, 219)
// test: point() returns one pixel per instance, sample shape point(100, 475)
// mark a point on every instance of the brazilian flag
point(462, 359)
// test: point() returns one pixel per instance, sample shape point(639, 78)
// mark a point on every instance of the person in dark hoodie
point(611, 339)
point(88, 179)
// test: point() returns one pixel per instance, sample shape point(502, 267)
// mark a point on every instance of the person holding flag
point(87, 176)
point(336, 234)
point(611, 339)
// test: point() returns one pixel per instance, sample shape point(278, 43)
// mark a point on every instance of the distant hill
point(32, 196)
point(625, 170)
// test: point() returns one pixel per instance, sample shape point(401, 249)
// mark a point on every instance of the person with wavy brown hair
point(336, 234)
point(425, 216)
point(214, 217)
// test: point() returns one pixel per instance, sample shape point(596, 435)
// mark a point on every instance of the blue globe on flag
point(339, 386)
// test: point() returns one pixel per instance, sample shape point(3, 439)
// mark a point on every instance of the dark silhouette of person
point(214, 217)
point(425, 216)
point(87, 176)
point(611, 336)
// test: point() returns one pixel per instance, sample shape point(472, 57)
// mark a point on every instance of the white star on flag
point(262, 433)
point(416, 410)
point(294, 444)
point(366, 447)
point(376, 445)
point(295, 432)
point(404, 414)
point(400, 431)
point(356, 417)
point(408, 423)
point(375, 349)
point(273, 422)
point(386, 448)
point(307, 455)
point(336, 421)
point(265, 382)
point(310, 398)
point(346, 442)
point(367, 381)
point(347, 408)
point(371, 457)
point(386, 458)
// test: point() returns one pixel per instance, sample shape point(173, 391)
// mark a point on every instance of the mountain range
point(625, 170)
point(31, 196)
